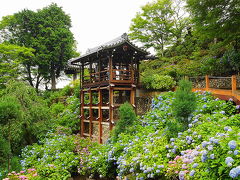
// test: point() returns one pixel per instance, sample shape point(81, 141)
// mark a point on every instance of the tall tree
point(217, 18)
point(48, 32)
point(159, 24)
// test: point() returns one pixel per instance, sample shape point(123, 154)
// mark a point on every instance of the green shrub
point(126, 120)
point(158, 82)
point(34, 121)
point(56, 109)
point(185, 101)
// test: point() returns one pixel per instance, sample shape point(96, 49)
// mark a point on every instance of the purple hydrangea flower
point(181, 175)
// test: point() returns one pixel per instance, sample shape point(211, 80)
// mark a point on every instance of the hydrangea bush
point(154, 147)
point(53, 158)
point(158, 148)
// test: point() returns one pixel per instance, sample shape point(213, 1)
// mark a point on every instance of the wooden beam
point(207, 82)
point(122, 89)
point(110, 108)
point(90, 113)
point(234, 83)
point(132, 96)
point(100, 116)
point(110, 68)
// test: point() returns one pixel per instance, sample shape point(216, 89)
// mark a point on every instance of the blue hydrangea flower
point(204, 144)
point(235, 172)
point(195, 165)
point(210, 147)
point(232, 144)
point(203, 158)
point(192, 173)
point(212, 156)
point(229, 160)
point(236, 152)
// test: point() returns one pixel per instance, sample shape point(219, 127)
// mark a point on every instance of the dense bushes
point(158, 82)
point(26, 117)
point(23, 119)
point(126, 120)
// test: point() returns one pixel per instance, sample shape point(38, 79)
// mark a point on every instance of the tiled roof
point(111, 44)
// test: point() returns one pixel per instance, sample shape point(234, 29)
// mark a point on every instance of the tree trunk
point(29, 75)
point(53, 79)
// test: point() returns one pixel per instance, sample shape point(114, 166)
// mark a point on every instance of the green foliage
point(209, 17)
point(159, 24)
point(158, 82)
point(47, 31)
point(126, 120)
point(57, 108)
point(11, 56)
point(185, 101)
point(23, 119)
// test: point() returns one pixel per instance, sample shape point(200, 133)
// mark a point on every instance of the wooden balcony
point(112, 76)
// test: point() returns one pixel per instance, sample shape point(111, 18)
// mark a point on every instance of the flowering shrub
point(157, 147)
point(154, 147)
point(53, 158)
point(23, 175)
point(67, 116)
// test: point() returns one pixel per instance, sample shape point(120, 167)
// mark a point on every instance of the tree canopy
point(217, 19)
point(159, 24)
point(47, 31)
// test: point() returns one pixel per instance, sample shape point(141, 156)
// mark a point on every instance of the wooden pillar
point(138, 74)
point(110, 107)
point(234, 83)
point(132, 96)
point(82, 112)
point(207, 82)
point(100, 115)
point(132, 71)
point(90, 113)
point(82, 75)
point(90, 67)
point(110, 68)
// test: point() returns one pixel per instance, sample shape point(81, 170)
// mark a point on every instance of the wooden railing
point(224, 87)
point(122, 75)
point(113, 75)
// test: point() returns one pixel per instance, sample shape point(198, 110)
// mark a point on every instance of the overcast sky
point(94, 21)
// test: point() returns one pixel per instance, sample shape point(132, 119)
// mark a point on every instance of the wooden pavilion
point(109, 77)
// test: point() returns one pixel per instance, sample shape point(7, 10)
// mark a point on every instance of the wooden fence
point(222, 87)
